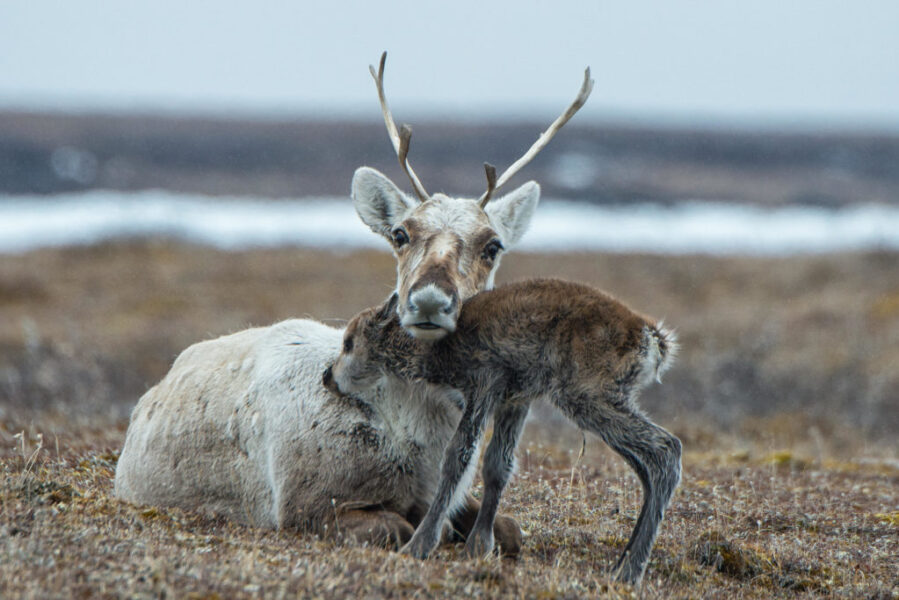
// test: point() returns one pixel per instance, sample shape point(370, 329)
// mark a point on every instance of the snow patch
point(30, 222)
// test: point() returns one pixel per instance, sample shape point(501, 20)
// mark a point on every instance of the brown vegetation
point(743, 524)
point(785, 397)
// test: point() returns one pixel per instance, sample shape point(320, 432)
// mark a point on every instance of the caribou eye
point(492, 249)
point(348, 345)
point(400, 237)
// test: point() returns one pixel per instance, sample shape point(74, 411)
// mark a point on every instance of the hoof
point(507, 535)
point(478, 545)
point(417, 547)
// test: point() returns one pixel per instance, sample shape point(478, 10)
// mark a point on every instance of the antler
point(541, 142)
point(399, 139)
point(490, 170)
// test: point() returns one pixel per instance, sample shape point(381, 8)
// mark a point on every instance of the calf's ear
point(388, 310)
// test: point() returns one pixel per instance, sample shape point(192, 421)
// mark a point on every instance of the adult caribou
point(242, 426)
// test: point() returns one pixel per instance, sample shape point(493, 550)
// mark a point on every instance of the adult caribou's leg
point(506, 530)
point(370, 525)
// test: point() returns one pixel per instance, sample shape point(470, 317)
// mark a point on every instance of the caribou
point(242, 427)
point(580, 349)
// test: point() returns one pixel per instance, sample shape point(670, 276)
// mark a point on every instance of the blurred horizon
point(804, 65)
point(767, 105)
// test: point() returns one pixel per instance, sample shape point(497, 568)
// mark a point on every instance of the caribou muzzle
point(430, 312)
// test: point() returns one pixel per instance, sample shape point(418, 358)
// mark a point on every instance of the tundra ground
point(785, 397)
point(748, 521)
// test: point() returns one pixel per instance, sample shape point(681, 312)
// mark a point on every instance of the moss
point(892, 518)
point(149, 513)
point(801, 577)
point(752, 565)
point(33, 490)
point(677, 571)
point(728, 557)
point(786, 459)
point(613, 541)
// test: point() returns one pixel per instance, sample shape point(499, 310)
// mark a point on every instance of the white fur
point(379, 203)
point(439, 225)
point(654, 364)
point(242, 426)
point(511, 215)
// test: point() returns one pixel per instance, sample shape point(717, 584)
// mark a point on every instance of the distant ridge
point(53, 153)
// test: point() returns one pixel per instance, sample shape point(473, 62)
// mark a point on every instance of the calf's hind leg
point(654, 454)
point(508, 422)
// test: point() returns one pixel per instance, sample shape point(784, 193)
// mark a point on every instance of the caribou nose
point(431, 301)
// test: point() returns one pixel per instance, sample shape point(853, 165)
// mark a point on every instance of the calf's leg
point(457, 457)
point(654, 454)
point(498, 463)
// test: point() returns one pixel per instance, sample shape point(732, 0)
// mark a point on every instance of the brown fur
point(581, 349)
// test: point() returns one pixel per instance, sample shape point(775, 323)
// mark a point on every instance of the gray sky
point(799, 61)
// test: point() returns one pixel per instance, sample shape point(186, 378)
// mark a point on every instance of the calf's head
point(369, 350)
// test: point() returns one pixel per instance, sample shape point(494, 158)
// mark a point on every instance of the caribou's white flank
point(242, 426)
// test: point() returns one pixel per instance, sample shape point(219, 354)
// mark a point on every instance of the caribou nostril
point(327, 377)
point(451, 305)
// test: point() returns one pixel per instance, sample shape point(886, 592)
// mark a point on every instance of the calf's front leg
point(456, 459)
point(508, 422)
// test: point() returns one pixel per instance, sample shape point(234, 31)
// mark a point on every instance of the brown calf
point(585, 352)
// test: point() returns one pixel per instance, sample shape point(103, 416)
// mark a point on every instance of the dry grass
point(814, 335)
point(745, 523)
point(785, 397)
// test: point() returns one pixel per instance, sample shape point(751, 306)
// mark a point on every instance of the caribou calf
point(582, 350)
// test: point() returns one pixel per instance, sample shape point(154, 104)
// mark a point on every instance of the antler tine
point(395, 137)
point(402, 153)
point(544, 138)
point(378, 76)
point(490, 170)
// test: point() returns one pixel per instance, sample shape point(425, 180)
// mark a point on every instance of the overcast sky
point(781, 61)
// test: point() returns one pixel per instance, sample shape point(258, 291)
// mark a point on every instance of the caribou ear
point(511, 214)
point(379, 203)
point(388, 310)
